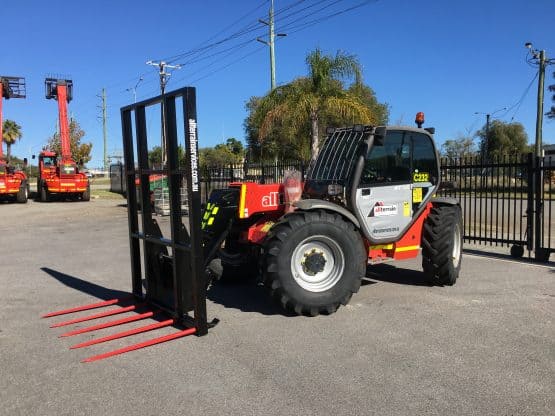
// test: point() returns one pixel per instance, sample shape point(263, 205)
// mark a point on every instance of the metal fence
point(506, 201)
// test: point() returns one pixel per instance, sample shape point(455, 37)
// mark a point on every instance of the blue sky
point(449, 59)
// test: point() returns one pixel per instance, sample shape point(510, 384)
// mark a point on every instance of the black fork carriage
point(171, 268)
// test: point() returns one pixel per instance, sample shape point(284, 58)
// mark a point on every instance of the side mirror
point(33, 156)
point(25, 162)
point(379, 135)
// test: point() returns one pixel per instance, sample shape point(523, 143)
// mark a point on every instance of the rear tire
point(23, 194)
point(313, 262)
point(86, 196)
point(442, 244)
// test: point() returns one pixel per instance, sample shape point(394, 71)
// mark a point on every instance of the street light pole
point(134, 89)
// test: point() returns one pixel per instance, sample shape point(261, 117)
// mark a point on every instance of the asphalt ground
point(485, 346)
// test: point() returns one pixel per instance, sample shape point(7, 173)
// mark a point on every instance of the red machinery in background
point(13, 182)
point(60, 176)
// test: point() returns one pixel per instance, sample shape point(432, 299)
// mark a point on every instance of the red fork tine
point(83, 308)
point(144, 344)
point(118, 335)
point(96, 316)
point(108, 324)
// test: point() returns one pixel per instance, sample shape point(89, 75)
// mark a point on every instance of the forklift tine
point(123, 334)
point(148, 343)
point(108, 324)
point(83, 308)
point(96, 316)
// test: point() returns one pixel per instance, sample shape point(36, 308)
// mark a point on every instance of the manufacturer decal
point(271, 200)
point(385, 230)
point(382, 210)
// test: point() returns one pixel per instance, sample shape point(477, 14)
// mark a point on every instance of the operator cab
point(383, 175)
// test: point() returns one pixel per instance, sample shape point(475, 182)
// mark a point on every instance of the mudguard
point(312, 204)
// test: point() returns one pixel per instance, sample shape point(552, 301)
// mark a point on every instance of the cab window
point(390, 163)
point(424, 164)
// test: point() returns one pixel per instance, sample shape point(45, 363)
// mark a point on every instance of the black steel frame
point(186, 257)
point(14, 87)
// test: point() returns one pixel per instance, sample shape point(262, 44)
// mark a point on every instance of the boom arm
point(64, 124)
point(61, 90)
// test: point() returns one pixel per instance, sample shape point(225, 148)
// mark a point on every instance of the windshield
point(49, 161)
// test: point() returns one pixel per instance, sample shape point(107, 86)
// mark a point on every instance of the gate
point(506, 201)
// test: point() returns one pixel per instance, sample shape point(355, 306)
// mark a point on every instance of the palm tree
point(301, 104)
point(11, 132)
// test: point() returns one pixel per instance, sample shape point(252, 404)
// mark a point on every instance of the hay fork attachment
point(171, 267)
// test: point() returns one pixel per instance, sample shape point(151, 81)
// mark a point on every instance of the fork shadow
point(84, 286)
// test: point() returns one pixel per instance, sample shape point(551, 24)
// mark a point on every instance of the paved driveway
point(483, 347)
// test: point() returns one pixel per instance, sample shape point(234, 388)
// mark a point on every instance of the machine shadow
point(398, 275)
point(248, 296)
point(81, 285)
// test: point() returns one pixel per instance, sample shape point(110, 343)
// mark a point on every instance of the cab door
point(384, 194)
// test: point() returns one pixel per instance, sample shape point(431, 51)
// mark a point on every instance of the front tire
point(313, 262)
point(442, 244)
point(23, 194)
point(44, 193)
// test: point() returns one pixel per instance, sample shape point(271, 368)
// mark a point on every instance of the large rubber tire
point(442, 244)
point(44, 194)
point(23, 194)
point(86, 196)
point(323, 240)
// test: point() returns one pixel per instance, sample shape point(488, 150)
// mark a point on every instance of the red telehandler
point(13, 183)
point(369, 197)
point(60, 176)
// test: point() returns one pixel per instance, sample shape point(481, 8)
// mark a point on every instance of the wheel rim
point(317, 263)
point(457, 246)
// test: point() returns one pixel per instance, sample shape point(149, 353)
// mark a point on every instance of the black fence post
point(540, 253)
point(530, 202)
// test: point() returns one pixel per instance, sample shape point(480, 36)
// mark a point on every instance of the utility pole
point(105, 128)
point(542, 62)
point(270, 42)
point(164, 75)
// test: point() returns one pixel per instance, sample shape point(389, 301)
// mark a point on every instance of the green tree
point(230, 152)
point(155, 157)
point(79, 151)
point(459, 147)
point(504, 139)
point(303, 107)
point(11, 133)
